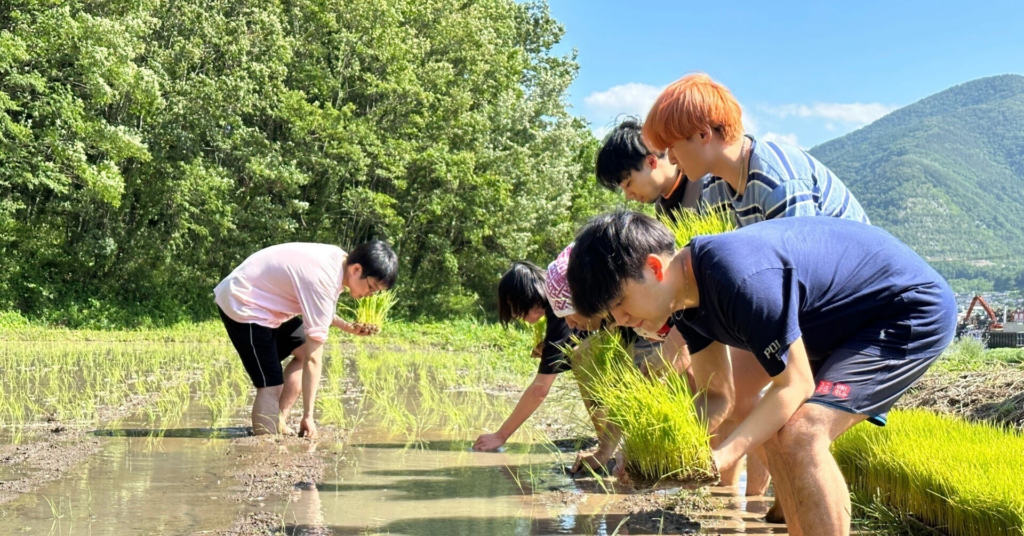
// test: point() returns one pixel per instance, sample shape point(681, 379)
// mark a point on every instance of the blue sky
point(805, 72)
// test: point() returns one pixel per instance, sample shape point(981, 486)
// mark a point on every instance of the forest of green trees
point(146, 147)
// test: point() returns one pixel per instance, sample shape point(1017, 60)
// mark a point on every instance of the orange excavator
point(991, 330)
point(970, 323)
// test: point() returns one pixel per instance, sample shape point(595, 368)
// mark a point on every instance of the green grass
point(960, 477)
point(688, 223)
point(83, 384)
point(662, 434)
point(969, 354)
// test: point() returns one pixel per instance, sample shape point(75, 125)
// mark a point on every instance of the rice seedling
point(961, 477)
point(688, 223)
point(540, 329)
point(663, 435)
point(372, 311)
point(82, 384)
point(329, 401)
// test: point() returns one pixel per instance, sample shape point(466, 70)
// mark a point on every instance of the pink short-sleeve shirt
point(275, 284)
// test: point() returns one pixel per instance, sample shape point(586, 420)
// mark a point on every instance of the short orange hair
point(690, 104)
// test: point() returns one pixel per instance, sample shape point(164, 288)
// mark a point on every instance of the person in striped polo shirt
point(699, 124)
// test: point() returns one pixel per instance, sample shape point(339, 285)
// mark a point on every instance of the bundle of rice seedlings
point(687, 223)
point(961, 477)
point(372, 311)
point(663, 437)
point(539, 329)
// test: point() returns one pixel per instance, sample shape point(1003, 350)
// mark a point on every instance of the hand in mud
point(488, 442)
point(538, 351)
point(307, 428)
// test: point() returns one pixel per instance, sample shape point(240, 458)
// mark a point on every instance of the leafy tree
point(148, 147)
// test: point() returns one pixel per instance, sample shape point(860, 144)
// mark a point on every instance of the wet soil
point(35, 462)
point(53, 448)
point(276, 465)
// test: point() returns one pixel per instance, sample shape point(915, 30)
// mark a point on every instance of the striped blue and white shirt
point(783, 181)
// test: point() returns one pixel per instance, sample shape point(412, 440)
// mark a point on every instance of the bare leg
point(783, 491)
point(817, 484)
point(266, 409)
point(292, 388)
point(775, 514)
point(757, 473)
point(748, 378)
point(608, 435)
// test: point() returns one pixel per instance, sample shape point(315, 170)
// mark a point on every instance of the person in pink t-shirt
point(260, 303)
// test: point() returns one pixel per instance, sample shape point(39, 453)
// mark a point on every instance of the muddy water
point(438, 487)
point(177, 479)
point(138, 483)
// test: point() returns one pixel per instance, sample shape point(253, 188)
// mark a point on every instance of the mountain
point(945, 175)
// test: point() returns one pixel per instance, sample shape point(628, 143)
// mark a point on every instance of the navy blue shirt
point(556, 337)
point(763, 286)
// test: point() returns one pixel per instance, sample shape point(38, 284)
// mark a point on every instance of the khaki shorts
point(647, 355)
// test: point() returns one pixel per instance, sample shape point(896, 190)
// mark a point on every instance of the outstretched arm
point(531, 399)
point(311, 368)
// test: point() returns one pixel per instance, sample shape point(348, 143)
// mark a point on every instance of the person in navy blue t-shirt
point(842, 316)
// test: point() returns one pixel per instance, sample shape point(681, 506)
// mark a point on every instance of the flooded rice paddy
point(152, 438)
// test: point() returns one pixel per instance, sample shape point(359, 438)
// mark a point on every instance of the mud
point(258, 523)
point(277, 465)
point(42, 460)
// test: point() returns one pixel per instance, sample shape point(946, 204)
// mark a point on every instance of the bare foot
point(286, 430)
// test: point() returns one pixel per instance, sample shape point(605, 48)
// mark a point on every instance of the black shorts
point(262, 349)
point(876, 366)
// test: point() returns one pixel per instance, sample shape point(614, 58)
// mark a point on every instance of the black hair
point(610, 249)
point(622, 151)
point(520, 289)
point(378, 261)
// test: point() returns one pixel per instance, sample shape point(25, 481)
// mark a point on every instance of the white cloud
point(749, 123)
point(632, 98)
point(788, 139)
point(855, 113)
